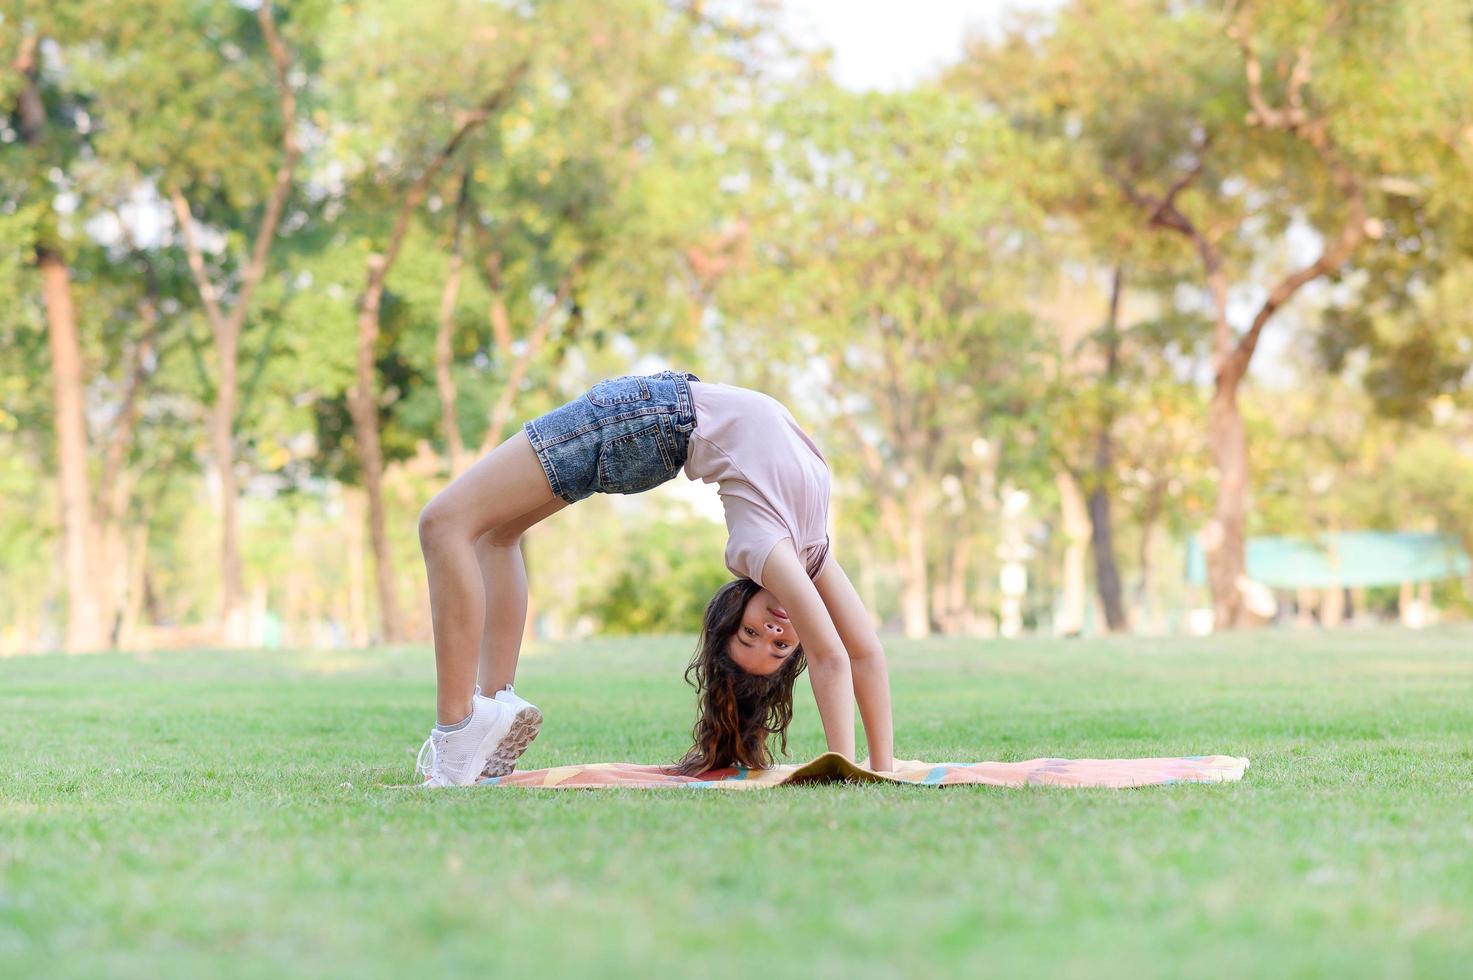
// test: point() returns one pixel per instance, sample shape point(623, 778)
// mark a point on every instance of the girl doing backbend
point(790, 606)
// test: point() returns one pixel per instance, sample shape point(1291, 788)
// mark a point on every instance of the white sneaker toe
point(456, 758)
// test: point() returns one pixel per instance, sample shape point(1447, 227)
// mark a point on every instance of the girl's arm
point(867, 660)
point(845, 658)
point(828, 665)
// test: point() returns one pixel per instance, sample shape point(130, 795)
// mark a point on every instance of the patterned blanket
point(832, 768)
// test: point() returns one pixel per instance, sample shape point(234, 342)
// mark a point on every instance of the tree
point(1174, 102)
point(1103, 258)
point(363, 398)
point(48, 147)
point(539, 190)
point(395, 150)
point(226, 326)
point(202, 107)
point(1086, 397)
point(891, 220)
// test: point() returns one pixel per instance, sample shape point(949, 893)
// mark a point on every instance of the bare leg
point(504, 576)
point(506, 482)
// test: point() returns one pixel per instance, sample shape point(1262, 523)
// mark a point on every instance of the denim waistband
point(685, 405)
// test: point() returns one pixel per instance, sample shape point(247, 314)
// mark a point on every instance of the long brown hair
point(736, 711)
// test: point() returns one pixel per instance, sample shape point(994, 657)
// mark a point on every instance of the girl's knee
point(436, 523)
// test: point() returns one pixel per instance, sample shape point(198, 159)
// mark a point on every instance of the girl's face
point(764, 639)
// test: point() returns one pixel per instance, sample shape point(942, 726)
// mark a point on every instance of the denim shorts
point(623, 435)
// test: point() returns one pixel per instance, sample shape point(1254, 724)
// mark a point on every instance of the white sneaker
point(526, 722)
point(455, 758)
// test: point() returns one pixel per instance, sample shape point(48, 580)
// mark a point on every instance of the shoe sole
point(524, 728)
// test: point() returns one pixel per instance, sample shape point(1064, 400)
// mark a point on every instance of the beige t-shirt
point(773, 480)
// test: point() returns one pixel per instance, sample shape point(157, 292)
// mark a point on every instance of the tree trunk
point(1332, 607)
point(85, 629)
point(1223, 542)
point(1076, 528)
point(1308, 602)
point(114, 575)
point(1143, 604)
point(353, 511)
point(222, 448)
point(914, 587)
point(1107, 573)
point(115, 530)
point(1424, 597)
point(363, 406)
point(132, 598)
point(954, 595)
point(1223, 539)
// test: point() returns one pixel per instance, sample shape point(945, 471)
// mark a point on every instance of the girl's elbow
point(867, 653)
point(821, 657)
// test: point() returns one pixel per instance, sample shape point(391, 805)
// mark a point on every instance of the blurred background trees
point(1126, 275)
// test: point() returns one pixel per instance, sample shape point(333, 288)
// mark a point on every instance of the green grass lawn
point(211, 814)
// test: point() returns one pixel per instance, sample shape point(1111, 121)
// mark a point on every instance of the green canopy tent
point(1344, 559)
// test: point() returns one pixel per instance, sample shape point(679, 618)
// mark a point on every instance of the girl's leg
point(505, 483)
point(504, 577)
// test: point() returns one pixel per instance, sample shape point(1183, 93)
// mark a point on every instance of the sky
point(890, 44)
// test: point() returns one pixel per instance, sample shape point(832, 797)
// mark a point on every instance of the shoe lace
point(427, 763)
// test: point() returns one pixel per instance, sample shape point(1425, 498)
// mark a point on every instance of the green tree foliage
point(498, 203)
point(665, 574)
point(1227, 126)
point(889, 246)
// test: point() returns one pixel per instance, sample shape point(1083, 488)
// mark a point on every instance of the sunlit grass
point(226, 814)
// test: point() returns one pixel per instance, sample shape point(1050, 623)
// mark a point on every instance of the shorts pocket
point(620, 391)
point(634, 461)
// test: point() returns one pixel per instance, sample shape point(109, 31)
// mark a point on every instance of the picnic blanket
point(832, 768)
